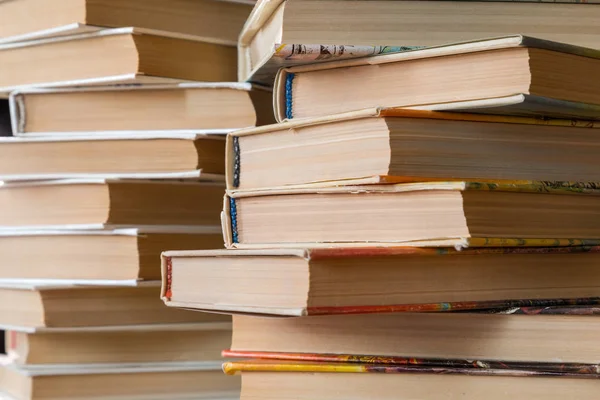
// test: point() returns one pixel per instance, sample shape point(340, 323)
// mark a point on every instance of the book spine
point(168, 292)
point(289, 85)
point(233, 218)
point(236, 161)
point(232, 368)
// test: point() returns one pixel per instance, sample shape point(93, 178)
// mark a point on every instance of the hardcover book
point(520, 74)
point(108, 203)
point(46, 304)
point(113, 156)
point(518, 337)
point(282, 33)
point(186, 108)
point(378, 279)
point(216, 20)
point(383, 382)
point(152, 381)
point(186, 342)
point(114, 56)
point(418, 214)
point(96, 256)
point(396, 145)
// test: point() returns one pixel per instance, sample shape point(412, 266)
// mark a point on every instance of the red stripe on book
point(168, 291)
point(454, 306)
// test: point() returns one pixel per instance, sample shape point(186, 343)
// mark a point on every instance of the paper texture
point(109, 80)
point(18, 111)
point(283, 93)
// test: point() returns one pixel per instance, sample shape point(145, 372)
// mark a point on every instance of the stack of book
point(415, 253)
point(99, 180)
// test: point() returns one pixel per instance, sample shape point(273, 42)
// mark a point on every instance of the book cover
point(232, 368)
point(380, 362)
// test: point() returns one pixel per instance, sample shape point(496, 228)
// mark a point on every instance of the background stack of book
point(101, 179)
point(416, 253)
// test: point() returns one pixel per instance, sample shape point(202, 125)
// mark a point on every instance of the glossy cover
point(365, 361)
point(498, 369)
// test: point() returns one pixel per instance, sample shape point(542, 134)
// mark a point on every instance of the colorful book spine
point(380, 361)
point(232, 368)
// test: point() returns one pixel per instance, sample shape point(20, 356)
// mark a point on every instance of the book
point(119, 344)
point(521, 337)
point(122, 255)
point(284, 33)
point(420, 214)
point(108, 203)
point(125, 156)
point(214, 20)
point(159, 381)
point(480, 72)
point(184, 108)
point(45, 304)
point(395, 145)
point(328, 281)
point(367, 381)
point(114, 56)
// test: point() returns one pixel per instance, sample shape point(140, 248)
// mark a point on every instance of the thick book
point(44, 304)
point(369, 280)
point(121, 255)
point(143, 381)
point(145, 109)
point(119, 344)
point(396, 145)
point(522, 337)
point(114, 56)
point(326, 381)
point(284, 33)
point(217, 20)
point(124, 156)
point(421, 213)
point(515, 73)
point(108, 203)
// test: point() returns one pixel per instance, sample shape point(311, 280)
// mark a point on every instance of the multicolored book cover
point(416, 366)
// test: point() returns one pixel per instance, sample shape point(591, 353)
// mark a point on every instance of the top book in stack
point(215, 20)
point(510, 75)
point(283, 33)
